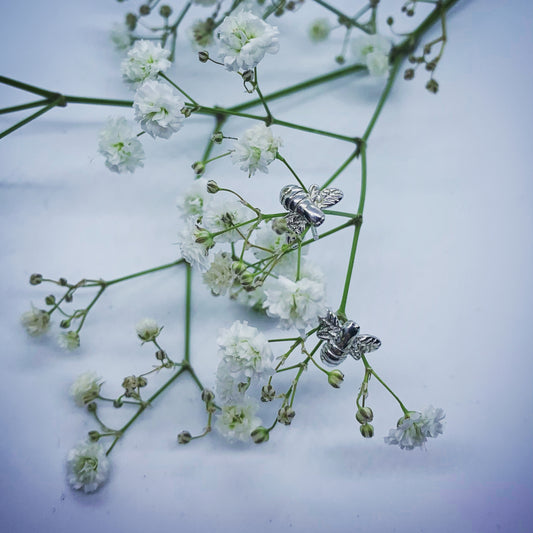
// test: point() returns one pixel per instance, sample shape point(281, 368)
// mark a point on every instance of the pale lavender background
point(443, 276)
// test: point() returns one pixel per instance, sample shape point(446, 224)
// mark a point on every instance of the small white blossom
point(121, 37)
point(226, 385)
point(220, 276)
point(86, 388)
point(147, 329)
point(296, 303)
point(244, 39)
point(120, 146)
point(268, 239)
point(246, 350)
point(69, 340)
point(373, 50)
point(235, 422)
point(413, 431)
point(201, 34)
point(195, 253)
point(256, 149)
point(35, 322)
point(222, 214)
point(192, 202)
point(144, 61)
point(88, 466)
point(158, 109)
point(319, 30)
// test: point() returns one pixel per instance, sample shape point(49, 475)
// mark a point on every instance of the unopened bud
point(94, 436)
point(68, 297)
point(335, 378)
point(35, 279)
point(91, 407)
point(184, 437)
point(117, 404)
point(204, 237)
point(165, 11)
point(131, 21)
point(340, 60)
point(186, 111)
point(203, 56)
point(50, 300)
point(243, 386)
point(367, 430)
point(208, 395)
point(246, 279)
point(141, 381)
point(364, 415)
point(390, 21)
point(65, 323)
point(217, 137)
point(410, 12)
point(432, 86)
point(285, 415)
point(160, 355)
point(144, 9)
point(431, 66)
point(259, 434)
point(267, 393)
point(238, 267)
point(212, 187)
point(409, 74)
point(62, 282)
point(248, 75)
point(198, 167)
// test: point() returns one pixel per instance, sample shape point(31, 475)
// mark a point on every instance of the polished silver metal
point(343, 339)
point(305, 208)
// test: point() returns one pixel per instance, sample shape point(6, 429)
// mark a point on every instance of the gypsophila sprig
point(86, 388)
point(373, 50)
point(236, 422)
point(119, 145)
point(35, 322)
point(147, 329)
point(158, 109)
point(69, 340)
point(88, 466)
point(244, 39)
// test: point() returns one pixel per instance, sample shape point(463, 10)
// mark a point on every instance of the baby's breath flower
point(194, 252)
point(222, 214)
point(121, 37)
point(319, 30)
point(88, 466)
point(69, 340)
point(120, 146)
point(296, 303)
point(373, 50)
point(36, 321)
point(192, 202)
point(86, 388)
point(227, 385)
point(158, 109)
point(414, 429)
point(246, 350)
point(201, 34)
point(220, 276)
point(236, 422)
point(244, 39)
point(256, 149)
point(147, 329)
point(144, 61)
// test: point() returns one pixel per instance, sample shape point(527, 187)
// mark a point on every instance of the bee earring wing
point(364, 344)
point(326, 197)
point(329, 326)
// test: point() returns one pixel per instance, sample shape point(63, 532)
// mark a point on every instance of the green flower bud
point(62, 282)
point(267, 393)
point(35, 279)
point(364, 415)
point(131, 21)
point(340, 60)
point(335, 378)
point(50, 300)
point(246, 279)
point(203, 56)
point(217, 137)
point(142, 381)
point(285, 415)
point(409, 74)
point(117, 404)
point(212, 186)
point(208, 395)
point(160, 355)
point(238, 267)
point(165, 11)
point(204, 237)
point(367, 430)
point(94, 436)
point(198, 167)
point(259, 435)
point(432, 86)
point(248, 75)
point(144, 9)
point(184, 437)
point(91, 407)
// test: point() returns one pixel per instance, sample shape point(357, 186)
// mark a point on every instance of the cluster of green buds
point(364, 416)
point(132, 385)
point(246, 279)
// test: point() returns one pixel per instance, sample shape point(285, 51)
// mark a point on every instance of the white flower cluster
point(246, 358)
point(147, 329)
point(88, 466)
point(413, 430)
point(373, 51)
point(120, 147)
point(256, 149)
point(121, 37)
point(35, 322)
point(144, 61)
point(158, 109)
point(86, 388)
point(244, 39)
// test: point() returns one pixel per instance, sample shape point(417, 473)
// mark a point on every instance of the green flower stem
point(217, 157)
point(286, 339)
point(269, 116)
point(188, 290)
point(373, 372)
point(357, 229)
point(314, 130)
point(319, 367)
point(338, 213)
point(98, 101)
point(220, 120)
point(88, 308)
point(330, 76)
point(355, 221)
point(165, 77)
point(339, 171)
point(352, 21)
point(49, 95)
point(21, 107)
point(284, 161)
point(31, 117)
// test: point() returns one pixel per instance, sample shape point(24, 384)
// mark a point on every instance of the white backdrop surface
point(443, 277)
